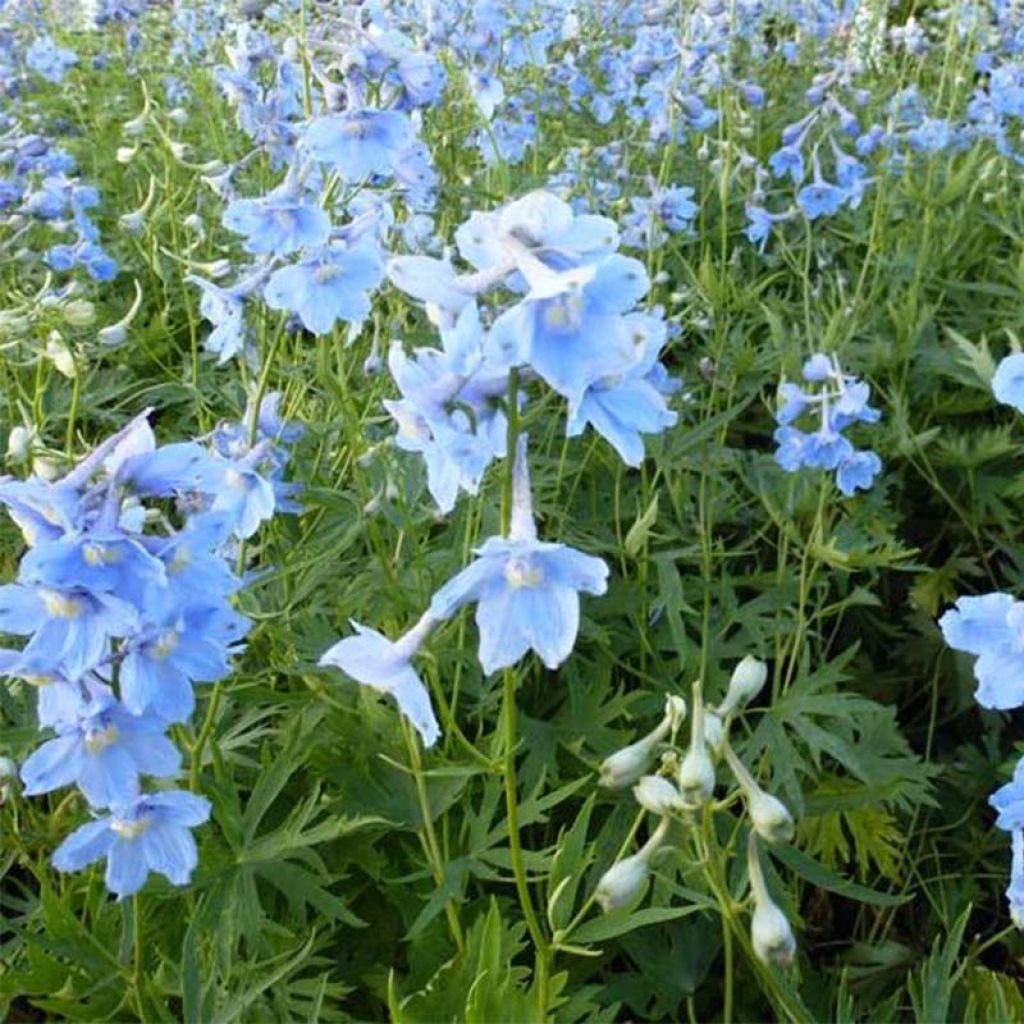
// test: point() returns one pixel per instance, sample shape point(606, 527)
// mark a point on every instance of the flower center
point(59, 606)
point(165, 645)
point(523, 572)
point(97, 740)
point(128, 829)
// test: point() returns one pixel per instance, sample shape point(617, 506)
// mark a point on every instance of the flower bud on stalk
point(19, 443)
point(770, 932)
point(625, 766)
point(624, 882)
point(748, 677)
point(696, 777)
point(768, 815)
point(656, 794)
point(114, 334)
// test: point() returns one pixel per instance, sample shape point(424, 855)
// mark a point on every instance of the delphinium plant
point(644, 355)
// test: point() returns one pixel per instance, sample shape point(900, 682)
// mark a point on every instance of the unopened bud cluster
point(684, 783)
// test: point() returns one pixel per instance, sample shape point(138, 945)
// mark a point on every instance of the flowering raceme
point(574, 328)
point(839, 401)
point(123, 620)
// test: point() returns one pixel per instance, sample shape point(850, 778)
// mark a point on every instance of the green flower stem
point(428, 834)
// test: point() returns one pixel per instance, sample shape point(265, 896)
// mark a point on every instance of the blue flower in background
point(1008, 381)
point(838, 402)
point(151, 833)
point(992, 628)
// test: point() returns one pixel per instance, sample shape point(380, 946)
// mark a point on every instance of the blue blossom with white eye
point(278, 223)
point(359, 144)
point(384, 665)
point(149, 833)
point(839, 402)
point(104, 753)
point(327, 285)
point(526, 591)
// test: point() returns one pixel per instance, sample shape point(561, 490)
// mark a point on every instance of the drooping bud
point(714, 732)
point(696, 777)
point(114, 334)
point(60, 355)
point(624, 882)
point(769, 816)
point(770, 932)
point(8, 773)
point(625, 766)
point(747, 679)
point(19, 443)
point(79, 312)
point(656, 794)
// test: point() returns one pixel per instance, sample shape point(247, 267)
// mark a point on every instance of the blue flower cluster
point(839, 401)
point(39, 187)
point(356, 159)
point(574, 328)
point(124, 614)
point(991, 627)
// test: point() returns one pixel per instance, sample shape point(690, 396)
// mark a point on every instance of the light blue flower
point(360, 143)
point(1008, 381)
point(103, 752)
point(1008, 800)
point(526, 591)
point(151, 833)
point(527, 598)
point(992, 627)
point(327, 285)
point(858, 472)
point(279, 222)
point(384, 665)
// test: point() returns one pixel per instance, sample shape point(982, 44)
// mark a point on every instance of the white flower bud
point(79, 312)
point(696, 778)
point(46, 468)
point(771, 935)
point(675, 708)
point(714, 732)
point(113, 335)
point(132, 222)
point(623, 883)
point(656, 794)
point(60, 355)
point(194, 223)
point(179, 150)
point(748, 677)
point(19, 443)
point(126, 154)
point(624, 767)
point(770, 817)
point(179, 115)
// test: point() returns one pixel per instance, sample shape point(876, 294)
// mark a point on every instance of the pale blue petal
point(977, 624)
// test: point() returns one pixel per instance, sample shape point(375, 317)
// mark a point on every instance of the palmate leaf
point(478, 985)
point(816, 727)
